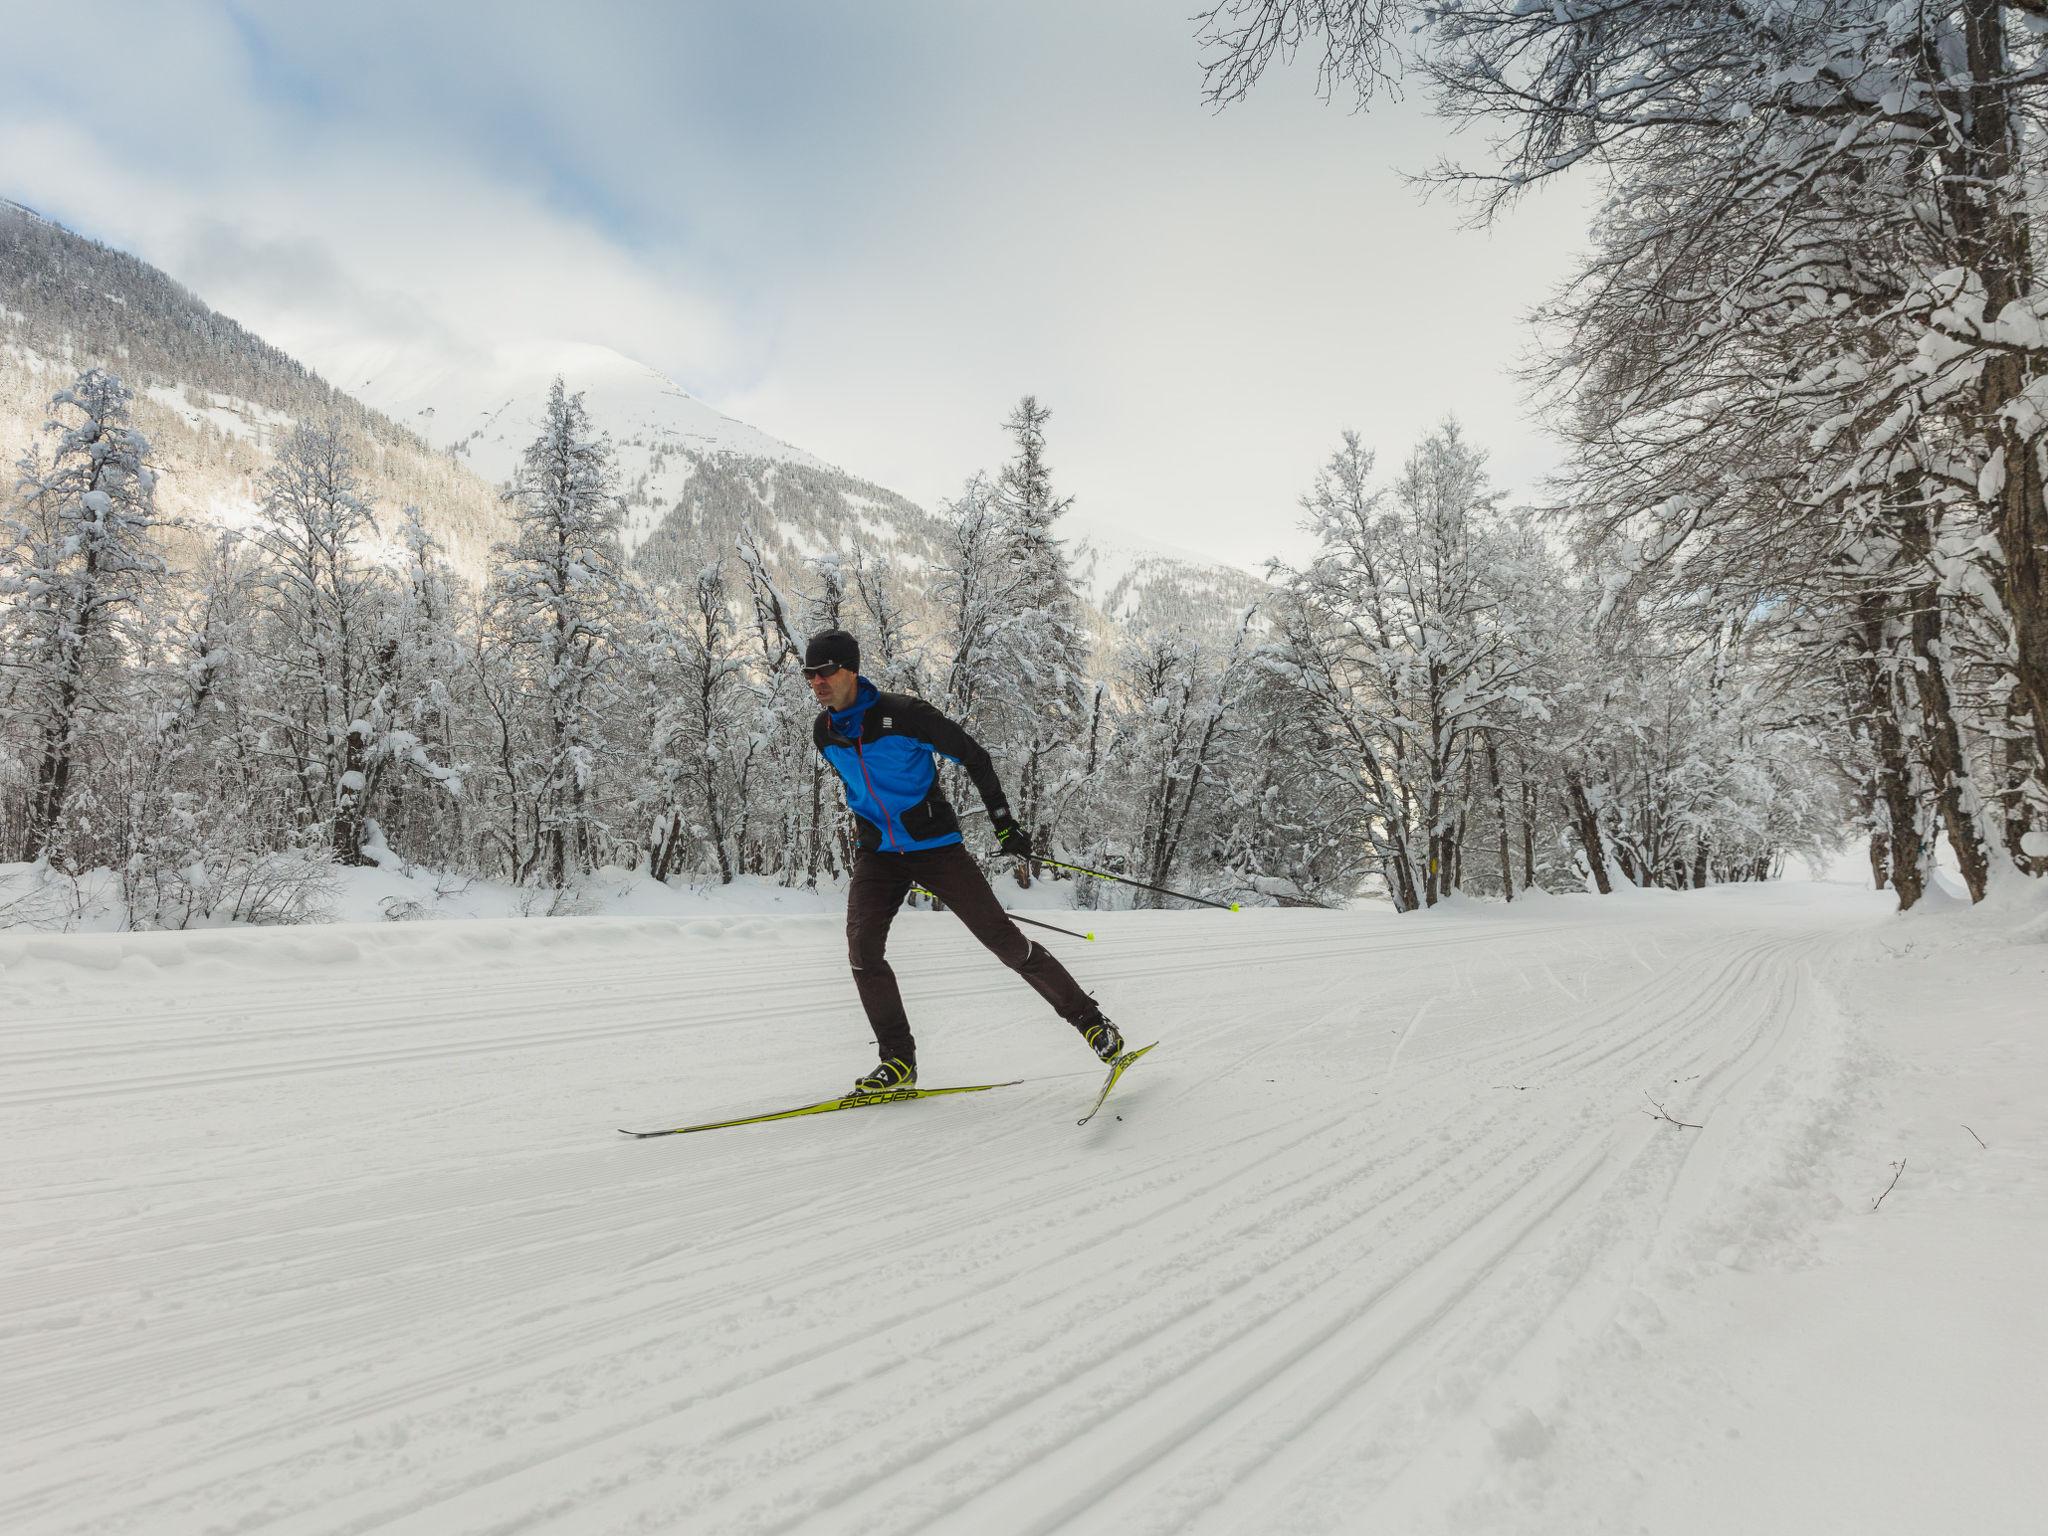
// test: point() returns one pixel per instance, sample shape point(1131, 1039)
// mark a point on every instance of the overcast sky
point(864, 228)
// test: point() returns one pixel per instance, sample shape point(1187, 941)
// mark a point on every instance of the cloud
point(867, 230)
point(372, 242)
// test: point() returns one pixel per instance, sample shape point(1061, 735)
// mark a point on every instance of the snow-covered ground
point(328, 1229)
point(33, 897)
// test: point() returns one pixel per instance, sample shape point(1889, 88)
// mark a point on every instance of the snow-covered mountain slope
point(1139, 584)
point(690, 476)
point(488, 408)
point(211, 397)
point(447, 421)
point(329, 1231)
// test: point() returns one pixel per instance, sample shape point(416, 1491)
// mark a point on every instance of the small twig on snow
point(1663, 1114)
point(1897, 1168)
point(1979, 1139)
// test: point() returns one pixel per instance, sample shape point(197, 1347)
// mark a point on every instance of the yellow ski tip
point(1234, 907)
point(1089, 937)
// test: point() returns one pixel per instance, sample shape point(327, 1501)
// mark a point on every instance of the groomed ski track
point(329, 1230)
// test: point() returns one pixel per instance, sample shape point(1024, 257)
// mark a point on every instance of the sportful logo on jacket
point(881, 746)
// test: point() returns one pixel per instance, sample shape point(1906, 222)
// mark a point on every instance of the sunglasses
point(825, 671)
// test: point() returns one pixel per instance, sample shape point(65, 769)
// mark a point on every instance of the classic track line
point(387, 1281)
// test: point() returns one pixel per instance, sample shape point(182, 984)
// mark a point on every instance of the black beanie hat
point(833, 645)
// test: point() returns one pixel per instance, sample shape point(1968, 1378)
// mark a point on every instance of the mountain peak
point(486, 408)
point(9, 205)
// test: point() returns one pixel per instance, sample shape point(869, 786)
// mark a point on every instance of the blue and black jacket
point(882, 746)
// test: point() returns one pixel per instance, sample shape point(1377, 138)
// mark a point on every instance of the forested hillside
point(212, 398)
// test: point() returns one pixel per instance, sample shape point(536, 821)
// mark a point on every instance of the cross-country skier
point(882, 746)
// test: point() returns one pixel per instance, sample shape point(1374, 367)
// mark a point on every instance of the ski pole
point(1027, 922)
point(1225, 906)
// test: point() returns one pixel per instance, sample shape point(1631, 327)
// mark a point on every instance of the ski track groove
point(1267, 1375)
point(536, 1039)
point(1287, 1227)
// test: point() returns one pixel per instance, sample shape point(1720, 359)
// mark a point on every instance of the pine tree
point(79, 562)
point(1041, 644)
point(557, 594)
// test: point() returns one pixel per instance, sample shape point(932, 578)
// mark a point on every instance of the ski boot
point(891, 1073)
point(1103, 1037)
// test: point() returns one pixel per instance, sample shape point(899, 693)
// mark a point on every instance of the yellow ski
point(1116, 1070)
point(851, 1101)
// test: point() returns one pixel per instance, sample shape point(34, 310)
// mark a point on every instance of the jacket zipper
point(877, 797)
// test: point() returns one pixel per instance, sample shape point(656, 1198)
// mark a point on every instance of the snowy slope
point(211, 397)
point(328, 1230)
point(1144, 584)
point(689, 476)
point(486, 406)
point(487, 409)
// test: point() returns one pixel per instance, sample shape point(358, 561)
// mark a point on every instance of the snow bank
point(393, 891)
point(1691, 1213)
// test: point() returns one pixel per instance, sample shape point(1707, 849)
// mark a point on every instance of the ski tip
point(1089, 937)
point(1235, 907)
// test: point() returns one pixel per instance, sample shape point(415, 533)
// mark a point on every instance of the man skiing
point(882, 746)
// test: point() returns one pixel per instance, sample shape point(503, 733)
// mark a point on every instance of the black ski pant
point(874, 896)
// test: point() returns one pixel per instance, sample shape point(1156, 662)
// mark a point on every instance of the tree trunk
point(814, 847)
point(1941, 743)
point(1588, 827)
point(53, 774)
point(1995, 241)
point(1500, 806)
point(1529, 802)
point(2015, 801)
point(1399, 874)
point(1893, 772)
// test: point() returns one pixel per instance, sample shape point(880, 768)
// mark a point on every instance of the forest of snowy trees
point(1802, 372)
point(1792, 583)
point(1438, 702)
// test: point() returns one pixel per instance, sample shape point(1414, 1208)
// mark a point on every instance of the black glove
point(1012, 838)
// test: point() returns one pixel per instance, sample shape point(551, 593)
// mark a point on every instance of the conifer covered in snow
point(557, 597)
point(78, 562)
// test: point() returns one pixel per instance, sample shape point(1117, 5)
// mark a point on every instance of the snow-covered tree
point(327, 605)
point(421, 807)
point(556, 598)
point(1806, 361)
point(797, 830)
point(1396, 631)
point(1175, 741)
point(704, 735)
point(79, 559)
point(1042, 644)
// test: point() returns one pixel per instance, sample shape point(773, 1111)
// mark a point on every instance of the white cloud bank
point(865, 230)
